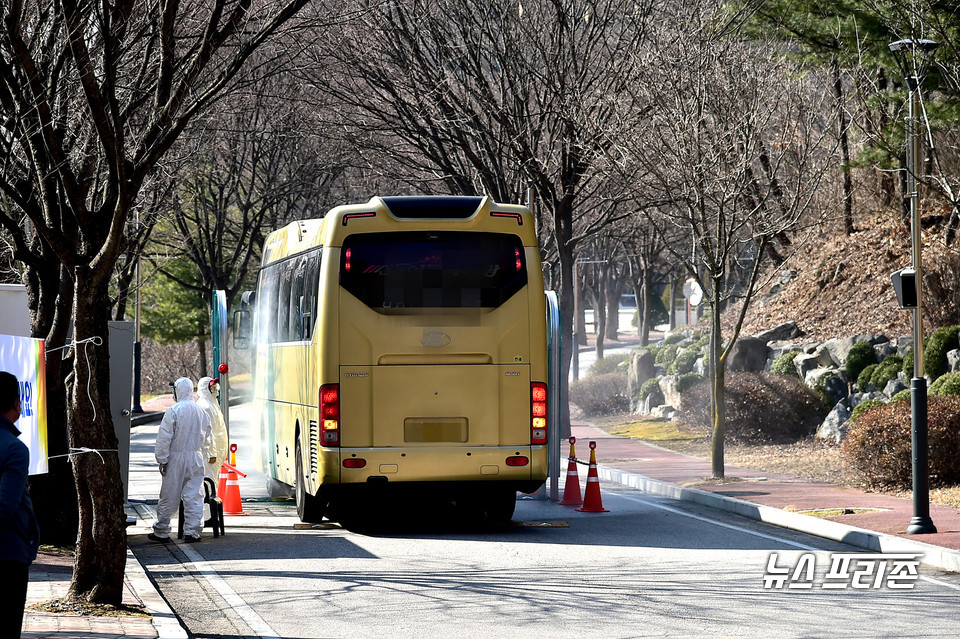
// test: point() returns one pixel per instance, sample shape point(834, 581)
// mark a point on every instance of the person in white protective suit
point(184, 442)
point(207, 388)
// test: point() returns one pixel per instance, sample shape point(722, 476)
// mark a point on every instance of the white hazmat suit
point(206, 388)
point(184, 442)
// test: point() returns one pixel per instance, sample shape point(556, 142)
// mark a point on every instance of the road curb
point(165, 621)
point(933, 556)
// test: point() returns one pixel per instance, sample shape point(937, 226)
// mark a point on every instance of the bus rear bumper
point(523, 465)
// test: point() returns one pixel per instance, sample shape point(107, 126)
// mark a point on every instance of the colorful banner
point(24, 357)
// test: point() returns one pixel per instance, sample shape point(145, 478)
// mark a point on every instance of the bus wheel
point(500, 505)
point(309, 508)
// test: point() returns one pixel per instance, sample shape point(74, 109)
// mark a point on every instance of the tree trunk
point(600, 310)
point(844, 149)
point(718, 410)
point(643, 312)
point(50, 289)
point(101, 540)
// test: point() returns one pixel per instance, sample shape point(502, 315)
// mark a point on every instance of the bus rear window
point(389, 271)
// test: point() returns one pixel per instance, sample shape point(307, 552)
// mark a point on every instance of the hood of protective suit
point(203, 389)
point(183, 389)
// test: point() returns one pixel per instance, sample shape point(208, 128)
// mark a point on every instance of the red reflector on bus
point(354, 463)
point(351, 216)
point(516, 255)
point(519, 460)
point(516, 216)
point(346, 261)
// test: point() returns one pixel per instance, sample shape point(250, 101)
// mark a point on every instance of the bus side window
point(295, 316)
point(267, 305)
point(283, 304)
point(311, 281)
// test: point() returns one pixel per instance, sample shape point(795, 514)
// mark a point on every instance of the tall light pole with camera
point(913, 57)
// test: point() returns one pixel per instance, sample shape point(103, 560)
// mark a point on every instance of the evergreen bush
point(648, 387)
point(784, 365)
point(948, 384)
point(886, 370)
point(935, 350)
point(860, 356)
point(863, 379)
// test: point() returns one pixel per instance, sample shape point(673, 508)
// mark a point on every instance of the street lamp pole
point(913, 58)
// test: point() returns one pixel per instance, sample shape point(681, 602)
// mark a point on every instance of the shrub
point(863, 407)
point(601, 394)
point(863, 379)
point(908, 363)
point(935, 350)
point(761, 408)
point(948, 384)
point(648, 387)
point(673, 338)
point(607, 364)
point(666, 355)
point(784, 365)
point(684, 361)
point(687, 381)
point(902, 396)
point(886, 370)
point(860, 356)
point(878, 450)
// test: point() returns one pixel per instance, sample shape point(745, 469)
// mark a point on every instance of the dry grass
point(808, 458)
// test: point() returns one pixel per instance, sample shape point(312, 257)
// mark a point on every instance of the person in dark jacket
point(19, 534)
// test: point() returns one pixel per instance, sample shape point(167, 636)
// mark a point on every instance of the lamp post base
point(921, 526)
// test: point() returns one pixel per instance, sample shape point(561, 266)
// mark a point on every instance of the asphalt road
point(651, 567)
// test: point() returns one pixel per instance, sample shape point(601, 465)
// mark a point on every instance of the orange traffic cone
point(591, 501)
point(571, 489)
point(231, 496)
point(224, 474)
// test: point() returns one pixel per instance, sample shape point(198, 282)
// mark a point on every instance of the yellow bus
point(401, 344)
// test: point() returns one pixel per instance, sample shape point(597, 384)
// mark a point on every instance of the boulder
point(664, 411)
point(953, 361)
point(640, 369)
point(831, 379)
point(748, 354)
point(894, 386)
point(834, 427)
point(807, 362)
point(839, 349)
point(785, 331)
point(857, 398)
point(668, 384)
point(655, 398)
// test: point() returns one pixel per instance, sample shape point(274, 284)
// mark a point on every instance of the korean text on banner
point(24, 357)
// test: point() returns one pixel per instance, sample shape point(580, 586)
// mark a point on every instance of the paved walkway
point(776, 499)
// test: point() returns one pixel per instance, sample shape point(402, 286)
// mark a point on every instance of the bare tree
point(471, 96)
point(251, 165)
point(92, 96)
point(736, 145)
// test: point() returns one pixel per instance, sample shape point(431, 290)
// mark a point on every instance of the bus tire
point(501, 504)
point(310, 508)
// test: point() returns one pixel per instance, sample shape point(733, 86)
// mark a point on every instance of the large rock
point(653, 400)
point(839, 349)
point(807, 362)
point(668, 384)
point(783, 332)
point(640, 369)
point(834, 427)
point(748, 354)
point(831, 379)
point(953, 361)
point(894, 386)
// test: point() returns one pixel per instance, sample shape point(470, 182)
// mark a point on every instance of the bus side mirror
point(241, 329)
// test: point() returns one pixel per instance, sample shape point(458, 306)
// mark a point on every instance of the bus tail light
point(330, 414)
point(538, 413)
point(355, 462)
